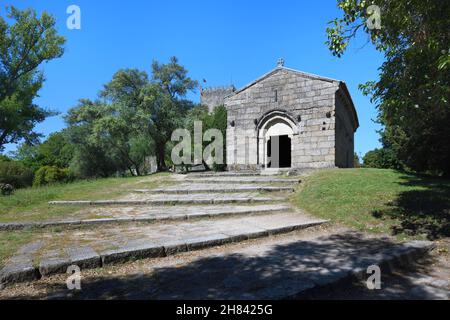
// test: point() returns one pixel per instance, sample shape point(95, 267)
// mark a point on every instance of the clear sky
point(222, 41)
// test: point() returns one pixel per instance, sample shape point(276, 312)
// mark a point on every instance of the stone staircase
point(202, 212)
point(198, 210)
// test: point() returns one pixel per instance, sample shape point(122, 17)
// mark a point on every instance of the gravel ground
point(428, 279)
point(46, 287)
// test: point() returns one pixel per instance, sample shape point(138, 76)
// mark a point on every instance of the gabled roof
point(341, 84)
point(301, 73)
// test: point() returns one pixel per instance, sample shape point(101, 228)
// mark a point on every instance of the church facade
point(288, 119)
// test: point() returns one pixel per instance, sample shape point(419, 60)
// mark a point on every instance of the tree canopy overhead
point(412, 93)
point(24, 45)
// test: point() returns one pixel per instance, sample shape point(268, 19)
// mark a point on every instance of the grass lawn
point(11, 241)
point(379, 201)
point(31, 204)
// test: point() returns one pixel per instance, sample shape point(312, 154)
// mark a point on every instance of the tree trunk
point(160, 155)
point(136, 167)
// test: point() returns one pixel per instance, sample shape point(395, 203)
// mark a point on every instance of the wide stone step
point(158, 214)
point(225, 174)
point(244, 180)
point(288, 269)
point(151, 241)
point(171, 199)
point(192, 188)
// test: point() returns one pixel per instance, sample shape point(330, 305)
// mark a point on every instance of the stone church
point(287, 119)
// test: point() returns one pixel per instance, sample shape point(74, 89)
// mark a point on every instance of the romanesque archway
point(275, 133)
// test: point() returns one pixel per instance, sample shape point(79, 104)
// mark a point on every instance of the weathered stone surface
point(176, 200)
point(18, 269)
point(190, 188)
point(132, 252)
point(307, 107)
point(201, 242)
point(84, 257)
point(258, 179)
point(30, 248)
point(274, 271)
point(53, 265)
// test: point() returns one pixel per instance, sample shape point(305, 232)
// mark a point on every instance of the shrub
point(218, 167)
point(6, 189)
point(16, 174)
point(384, 158)
point(49, 175)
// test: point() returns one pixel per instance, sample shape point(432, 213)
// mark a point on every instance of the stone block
point(53, 265)
point(19, 269)
point(84, 257)
point(132, 252)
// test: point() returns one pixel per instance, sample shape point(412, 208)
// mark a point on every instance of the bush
point(49, 175)
point(16, 174)
point(382, 159)
point(6, 189)
point(218, 167)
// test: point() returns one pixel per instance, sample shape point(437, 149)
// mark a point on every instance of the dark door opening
point(285, 152)
point(279, 152)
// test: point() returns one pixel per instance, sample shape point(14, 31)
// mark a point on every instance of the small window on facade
point(276, 95)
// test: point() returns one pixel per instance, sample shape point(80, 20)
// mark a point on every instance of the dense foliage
point(24, 45)
point(56, 151)
point(16, 174)
point(49, 175)
point(383, 158)
point(217, 119)
point(412, 93)
point(133, 118)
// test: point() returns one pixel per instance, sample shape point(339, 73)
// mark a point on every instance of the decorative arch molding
point(276, 113)
point(280, 120)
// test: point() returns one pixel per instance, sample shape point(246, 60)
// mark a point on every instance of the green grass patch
point(10, 242)
point(379, 201)
point(31, 204)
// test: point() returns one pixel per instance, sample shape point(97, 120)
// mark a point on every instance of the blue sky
point(221, 41)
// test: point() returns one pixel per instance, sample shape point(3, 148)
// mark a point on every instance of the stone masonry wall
point(344, 136)
point(311, 99)
point(213, 97)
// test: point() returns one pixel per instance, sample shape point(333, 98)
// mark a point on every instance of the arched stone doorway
point(275, 140)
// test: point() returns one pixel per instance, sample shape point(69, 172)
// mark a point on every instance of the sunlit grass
point(32, 203)
point(379, 201)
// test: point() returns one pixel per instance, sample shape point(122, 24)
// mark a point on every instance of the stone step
point(224, 174)
point(243, 180)
point(283, 269)
point(159, 214)
point(150, 241)
point(201, 199)
point(192, 188)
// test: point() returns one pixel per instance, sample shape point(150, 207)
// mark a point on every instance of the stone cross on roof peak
point(280, 62)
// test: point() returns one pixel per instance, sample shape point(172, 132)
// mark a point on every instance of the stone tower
point(215, 96)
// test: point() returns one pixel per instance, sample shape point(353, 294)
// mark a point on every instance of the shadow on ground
point(423, 211)
point(281, 271)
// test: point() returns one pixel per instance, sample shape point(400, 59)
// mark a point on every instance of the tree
point(121, 124)
point(172, 78)
point(413, 91)
point(134, 118)
point(24, 46)
point(56, 151)
point(356, 162)
point(217, 119)
point(383, 158)
point(165, 100)
point(93, 156)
